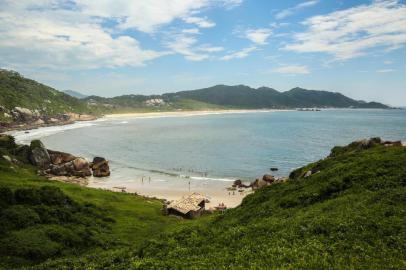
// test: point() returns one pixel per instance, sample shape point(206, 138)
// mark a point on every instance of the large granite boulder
point(81, 167)
point(100, 167)
point(78, 167)
point(39, 155)
point(58, 158)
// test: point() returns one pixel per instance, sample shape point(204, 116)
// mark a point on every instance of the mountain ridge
point(22, 98)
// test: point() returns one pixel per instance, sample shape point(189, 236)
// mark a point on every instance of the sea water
point(221, 146)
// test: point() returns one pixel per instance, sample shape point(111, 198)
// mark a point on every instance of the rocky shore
point(20, 118)
point(54, 165)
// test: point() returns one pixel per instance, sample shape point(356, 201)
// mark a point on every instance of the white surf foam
point(25, 136)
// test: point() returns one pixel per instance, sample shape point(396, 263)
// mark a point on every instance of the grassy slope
point(349, 215)
point(136, 218)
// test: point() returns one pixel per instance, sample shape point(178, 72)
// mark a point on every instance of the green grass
point(350, 215)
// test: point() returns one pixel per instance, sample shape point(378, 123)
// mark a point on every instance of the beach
point(158, 157)
point(174, 188)
point(182, 113)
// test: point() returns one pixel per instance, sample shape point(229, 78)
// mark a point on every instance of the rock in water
point(100, 167)
point(81, 167)
point(39, 155)
point(60, 157)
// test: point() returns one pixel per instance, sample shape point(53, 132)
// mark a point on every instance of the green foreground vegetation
point(349, 214)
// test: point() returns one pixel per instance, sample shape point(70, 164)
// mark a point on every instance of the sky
point(115, 47)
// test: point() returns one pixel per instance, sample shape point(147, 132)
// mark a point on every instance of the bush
point(6, 197)
point(27, 196)
point(18, 217)
point(32, 244)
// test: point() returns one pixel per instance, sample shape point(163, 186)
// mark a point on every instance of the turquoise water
point(226, 145)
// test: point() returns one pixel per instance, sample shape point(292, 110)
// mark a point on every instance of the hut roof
point(188, 203)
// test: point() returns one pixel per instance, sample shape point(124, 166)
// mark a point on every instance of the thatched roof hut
point(190, 206)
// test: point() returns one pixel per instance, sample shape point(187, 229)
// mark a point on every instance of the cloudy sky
point(114, 47)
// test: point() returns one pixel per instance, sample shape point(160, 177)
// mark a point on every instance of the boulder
point(100, 167)
point(39, 122)
point(268, 178)
point(259, 183)
point(237, 183)
point(81, 167)
point(60, 157)
point(39, 155)
point(22, 114)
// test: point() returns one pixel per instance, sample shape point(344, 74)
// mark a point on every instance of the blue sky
point(114, 47)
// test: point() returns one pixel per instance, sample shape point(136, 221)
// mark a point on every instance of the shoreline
point(161, 186)
point(185, 113)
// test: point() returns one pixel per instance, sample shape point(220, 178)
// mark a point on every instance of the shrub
point(6, 197)
point(27, 196)
point(18, 217)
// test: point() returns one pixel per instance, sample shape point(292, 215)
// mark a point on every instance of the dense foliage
point(41, 223)
point(349, 214)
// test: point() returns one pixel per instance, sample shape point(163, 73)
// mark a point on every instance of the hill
point(25, 103)
point(264, 97)
point(17, 91)
point(347, 213)
point(75, 94)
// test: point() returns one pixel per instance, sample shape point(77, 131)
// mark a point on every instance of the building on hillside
point(190, 206)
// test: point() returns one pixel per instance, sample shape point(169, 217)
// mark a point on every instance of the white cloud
point(200, 22)
point(388, 70)
point(292, 70)
point(258, 36)
point(74, 34)
point(352, 32)
point(186, 45)
point(290, 11)
point(64, 39)
point(388, 62)
point(239, 54)
point(191, 31)
point(148, 15)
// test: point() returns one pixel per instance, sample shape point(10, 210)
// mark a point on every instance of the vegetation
point(42, 219)
point(350, 213)
point(17, 91)
point(264, 97)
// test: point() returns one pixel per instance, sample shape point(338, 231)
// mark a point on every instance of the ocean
point(168, 157)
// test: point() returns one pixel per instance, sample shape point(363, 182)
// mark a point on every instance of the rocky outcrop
point(58, 158)
point(100, 167)
point(39, 155)
point(78, 167)
point(54, 163)
point(20, 118)
point(362, 145)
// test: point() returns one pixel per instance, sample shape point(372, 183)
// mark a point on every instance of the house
point(190, 206)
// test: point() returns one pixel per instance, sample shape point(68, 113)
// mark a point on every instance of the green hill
point(25, 101)
point(17, 91)
point(349, 213)
point(264, 97)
